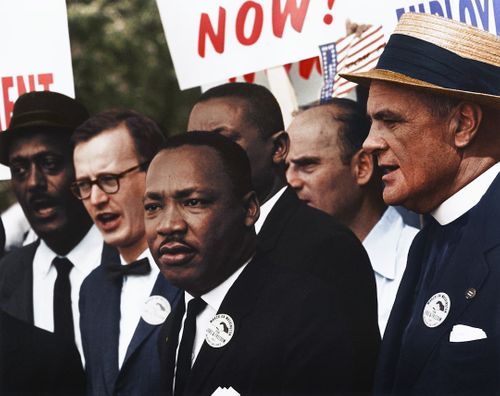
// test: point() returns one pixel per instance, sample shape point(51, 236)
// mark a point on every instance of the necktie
point(139, 267)
point(63, 314)
point(195, 307)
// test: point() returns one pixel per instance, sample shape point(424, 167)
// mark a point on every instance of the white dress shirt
point(135, 292)
point(466, 198)
point(213, 299)
point(387, 246)
point(266, 208)
point(85, 257)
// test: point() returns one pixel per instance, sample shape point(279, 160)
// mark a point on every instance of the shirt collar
point(215, 296)
point(465, 198)
point(84, 256)
point(266, 208)
point(380, 243)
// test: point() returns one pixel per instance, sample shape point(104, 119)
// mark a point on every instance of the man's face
point(42, 171)
point(194, 222)
point(227, 116)
point(414, 148)
point(314, 165)
point(118, 216)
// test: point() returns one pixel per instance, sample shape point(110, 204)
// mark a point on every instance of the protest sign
point(35, 53)
point(214, 40)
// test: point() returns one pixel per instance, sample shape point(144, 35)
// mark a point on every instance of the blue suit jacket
point(428, 363)
point(100, 327)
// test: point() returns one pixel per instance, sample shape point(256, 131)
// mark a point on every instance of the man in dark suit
point(290, 233)
point(250, 325)
point(434, 106)
point(122, 302)
point(39, 283)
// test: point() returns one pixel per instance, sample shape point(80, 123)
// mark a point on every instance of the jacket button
point(470, 293)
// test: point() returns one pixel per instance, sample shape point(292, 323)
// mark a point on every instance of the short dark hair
point(146, 134)
point(355, 126)
point(263, 109)
point(234, 158)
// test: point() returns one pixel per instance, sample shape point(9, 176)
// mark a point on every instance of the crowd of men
point(240, 258)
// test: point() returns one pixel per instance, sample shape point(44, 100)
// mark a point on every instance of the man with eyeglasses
point(40, 283)
point(125, 299)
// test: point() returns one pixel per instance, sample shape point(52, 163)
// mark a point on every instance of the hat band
point(38, 117)
point(428, 62)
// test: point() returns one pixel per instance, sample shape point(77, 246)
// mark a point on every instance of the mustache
point(173, 243)
point(41, 199)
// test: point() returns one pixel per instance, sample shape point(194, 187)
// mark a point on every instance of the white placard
point(213, 40)
point(35, 53)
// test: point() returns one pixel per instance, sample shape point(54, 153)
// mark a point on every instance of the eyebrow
point(305, 160)
point(178, 194)
point(384, 114)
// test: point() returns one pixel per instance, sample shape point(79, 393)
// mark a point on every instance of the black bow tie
point(139, 267)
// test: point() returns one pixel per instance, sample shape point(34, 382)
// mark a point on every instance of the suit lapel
point(469, 270)
point(277, 220)
point(144, 330)
point(108, 313)
point(238, 303)
point(19, 302)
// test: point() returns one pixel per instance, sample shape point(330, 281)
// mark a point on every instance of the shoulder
point(18, 260)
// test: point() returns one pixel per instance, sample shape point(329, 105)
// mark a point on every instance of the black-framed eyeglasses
point(107, 182)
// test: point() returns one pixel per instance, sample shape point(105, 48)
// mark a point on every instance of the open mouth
point(43, 207)
point(107, 221)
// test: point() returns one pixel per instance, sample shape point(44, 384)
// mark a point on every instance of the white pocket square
point(463, 333)
point(225, 392)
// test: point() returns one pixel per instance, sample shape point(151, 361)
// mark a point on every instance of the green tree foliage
point(121, 59)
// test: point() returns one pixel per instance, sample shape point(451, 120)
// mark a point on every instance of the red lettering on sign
point(10, 92)
point(206, 29)
point(7, 83)
point(297, 15)
point(257, 23)
point(306, 67)
point(45, 80)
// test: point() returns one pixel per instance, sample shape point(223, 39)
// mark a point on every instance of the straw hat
point(439, 55)
point(48, 111)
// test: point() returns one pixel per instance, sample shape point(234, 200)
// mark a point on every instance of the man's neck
point(65, 241)
point(368, 215)
point(130, 253)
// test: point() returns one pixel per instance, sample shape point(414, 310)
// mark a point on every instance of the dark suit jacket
point(428, 363)
point(298, 237)
point(289, 338)
point(100, 327)
point(32, 361)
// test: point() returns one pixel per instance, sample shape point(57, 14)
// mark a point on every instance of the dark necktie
point(63, 314)
point(139, 267)
point(195, 307)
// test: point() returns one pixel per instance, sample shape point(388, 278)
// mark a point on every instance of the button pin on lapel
point(470, 293)
point(156, 309)
point(219, 331)
point(436, 310)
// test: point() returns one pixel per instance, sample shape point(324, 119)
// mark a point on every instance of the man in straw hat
point(434, 103)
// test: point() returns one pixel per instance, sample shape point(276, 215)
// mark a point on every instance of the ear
point(362, 167)
point(465, 123)
point(281, 144)
point(252, 208)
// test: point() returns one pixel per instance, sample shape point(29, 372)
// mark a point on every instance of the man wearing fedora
point(434, 103)
point(39, 283)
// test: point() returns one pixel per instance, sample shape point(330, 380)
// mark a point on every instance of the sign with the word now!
point(35, 53)
point(35, 50)
point(213, 40)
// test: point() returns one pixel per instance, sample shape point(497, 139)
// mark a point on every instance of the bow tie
point(139, 267)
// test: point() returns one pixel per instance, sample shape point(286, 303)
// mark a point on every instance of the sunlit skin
point(227, 116)
point(415, 149)
point(119, 217)
point(42, 172)
point(198, 231)
point(314, 165)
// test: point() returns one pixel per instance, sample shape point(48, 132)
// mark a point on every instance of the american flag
point(357, 54)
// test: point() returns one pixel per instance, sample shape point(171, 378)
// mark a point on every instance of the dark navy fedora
point(436, 54)
point(41, 110)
